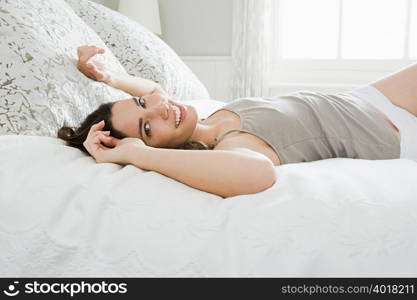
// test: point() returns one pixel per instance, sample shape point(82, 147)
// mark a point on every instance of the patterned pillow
point(140, 51)
point(40, 85)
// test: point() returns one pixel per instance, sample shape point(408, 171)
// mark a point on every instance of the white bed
point(63, 215)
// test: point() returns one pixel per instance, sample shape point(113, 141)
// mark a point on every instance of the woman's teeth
point(177, 115)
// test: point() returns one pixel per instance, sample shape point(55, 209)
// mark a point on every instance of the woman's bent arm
point(222, 172)
point(227, 172)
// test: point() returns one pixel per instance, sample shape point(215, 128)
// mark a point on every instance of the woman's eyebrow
point(140, 120)
point(140, 128)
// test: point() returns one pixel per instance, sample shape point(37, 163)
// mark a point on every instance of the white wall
point(197, 27)
point(194, 27)
point(113, 4)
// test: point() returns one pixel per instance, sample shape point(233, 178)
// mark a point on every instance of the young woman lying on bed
point(245, 139)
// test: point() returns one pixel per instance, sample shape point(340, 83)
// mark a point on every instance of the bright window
point(330, 40)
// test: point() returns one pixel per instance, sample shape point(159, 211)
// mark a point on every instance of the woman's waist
point(385, 117)
point(380, 103)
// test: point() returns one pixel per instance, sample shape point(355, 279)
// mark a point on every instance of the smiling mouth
point(181, 112)
point(178, 115)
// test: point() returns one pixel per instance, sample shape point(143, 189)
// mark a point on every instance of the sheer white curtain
point(250, 47)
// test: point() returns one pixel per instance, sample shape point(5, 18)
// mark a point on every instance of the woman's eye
point(147, 129)
point(144, 102)
point(140, 101)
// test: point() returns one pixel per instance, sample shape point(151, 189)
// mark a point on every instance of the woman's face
point(152, 119)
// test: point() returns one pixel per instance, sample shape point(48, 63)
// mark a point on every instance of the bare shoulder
point(244, 142)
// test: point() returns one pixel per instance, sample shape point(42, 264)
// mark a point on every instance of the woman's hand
point(90, 68)
point(98, 144)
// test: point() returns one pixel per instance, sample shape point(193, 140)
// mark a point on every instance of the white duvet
point(62, 214)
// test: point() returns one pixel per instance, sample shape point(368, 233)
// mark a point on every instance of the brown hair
point(76, 137)
point(195, 145)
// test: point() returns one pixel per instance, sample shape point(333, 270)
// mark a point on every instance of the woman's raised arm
point(95, 70)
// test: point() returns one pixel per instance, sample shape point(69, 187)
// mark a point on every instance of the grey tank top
point(308, 126)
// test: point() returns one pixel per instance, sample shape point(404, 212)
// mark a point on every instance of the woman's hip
point(404, 121)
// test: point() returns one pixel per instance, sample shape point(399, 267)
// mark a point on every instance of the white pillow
point(205, 107)
point(140, 51)
point(40, 85)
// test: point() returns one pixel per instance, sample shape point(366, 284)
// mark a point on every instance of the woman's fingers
point(97, 126)
point(96, 144)
point(100, 124)
point(90, 68)
point(94, 130)
point(85, 53)
point(98, 141)
point(96, 72)
point(108, 140)
point(89, 141)
point(105, 148)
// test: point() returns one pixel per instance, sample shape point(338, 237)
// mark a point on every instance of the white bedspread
point(61, 214)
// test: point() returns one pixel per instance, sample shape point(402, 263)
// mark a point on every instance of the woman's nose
point(162, 110)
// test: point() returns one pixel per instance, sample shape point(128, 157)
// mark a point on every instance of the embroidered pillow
point(40, 85)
